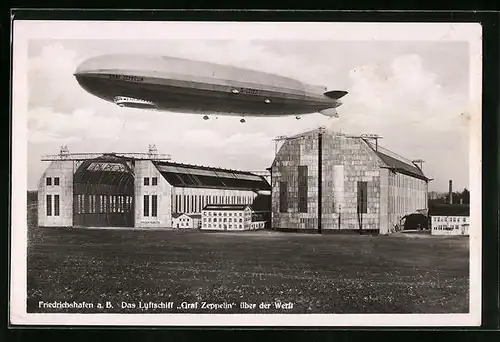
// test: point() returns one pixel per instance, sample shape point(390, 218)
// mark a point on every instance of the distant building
point(135, 190)
point(232, 217)
point(450, 219)
point(186, 221)
point(363, 187)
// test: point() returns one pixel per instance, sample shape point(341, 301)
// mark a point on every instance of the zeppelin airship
point(188, 86)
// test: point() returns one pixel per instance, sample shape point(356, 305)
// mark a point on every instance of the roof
point(194, 216)
point(390, 159)
point(449, 210)
point(195, 176)
point(176, 215)
point(226, 207)
point(106, 169)
point(400, 166)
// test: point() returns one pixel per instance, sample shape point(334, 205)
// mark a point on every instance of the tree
point(465, 196)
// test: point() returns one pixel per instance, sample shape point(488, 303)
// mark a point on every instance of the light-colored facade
point(185, 221)
point(55, 195)
point(450, 219)
point(363, 187)
point(230, 217)
point(450, 225)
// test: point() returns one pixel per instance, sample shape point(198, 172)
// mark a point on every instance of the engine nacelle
point(131, 102)
point(331, 112)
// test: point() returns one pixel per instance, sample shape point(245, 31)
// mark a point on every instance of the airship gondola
point(188, 86)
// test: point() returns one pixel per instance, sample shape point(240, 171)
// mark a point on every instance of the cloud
point(51, 81)
point(417, 118)
point(44, 124)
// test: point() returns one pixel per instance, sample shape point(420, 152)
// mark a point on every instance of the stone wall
point(345, 162)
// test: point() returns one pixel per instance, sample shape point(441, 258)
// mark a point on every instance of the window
point(146, 181)
point(49, 181)
point(283, 197)
point(91, 204)
point(154, 205)
point(56, 181)
point(49, 205)
point(146, 205)
point(302, 182)
point(362, 197)
point(56, 205)
point(154, 181)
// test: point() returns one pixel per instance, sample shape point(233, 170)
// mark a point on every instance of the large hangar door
point(103, 194)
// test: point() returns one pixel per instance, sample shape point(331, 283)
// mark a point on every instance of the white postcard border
point(23, 31)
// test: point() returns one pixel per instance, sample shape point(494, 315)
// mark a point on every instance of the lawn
point(315, 273)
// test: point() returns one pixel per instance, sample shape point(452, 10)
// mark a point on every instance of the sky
point(415, 94)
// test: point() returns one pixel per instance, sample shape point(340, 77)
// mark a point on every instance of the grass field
point(316, 273)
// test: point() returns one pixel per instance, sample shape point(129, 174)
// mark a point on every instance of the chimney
point(451, 192)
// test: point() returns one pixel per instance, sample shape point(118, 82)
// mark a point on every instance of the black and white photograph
point(246, 174)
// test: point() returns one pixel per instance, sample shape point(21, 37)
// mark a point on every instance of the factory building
point(232, 217)
point(450, 219)
point(324, 181)
point(135, 190)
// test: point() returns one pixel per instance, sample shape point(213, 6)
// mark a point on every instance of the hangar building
point(358, 185)
point(134, 190)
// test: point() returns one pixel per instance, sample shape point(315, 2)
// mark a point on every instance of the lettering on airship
point(129, 78)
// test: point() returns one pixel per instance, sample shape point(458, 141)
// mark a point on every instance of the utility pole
point(340, 213)
point(372, 137)
point(320, 176)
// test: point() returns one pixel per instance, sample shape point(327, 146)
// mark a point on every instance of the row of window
point(452, 219)
point(225, 226)
point(398, 204)
point(195, 203)
point(49, 181)
point(48, 202)
point(222, 220)
point(443, 227)
point(407, 182)
point(102, 204)
point(154, 181)
point(154, 205)
point(210, 213)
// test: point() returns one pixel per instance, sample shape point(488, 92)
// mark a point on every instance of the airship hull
point(177, 85)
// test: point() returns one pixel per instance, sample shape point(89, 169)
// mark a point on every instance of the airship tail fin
point(336, 94)
point(331, 112)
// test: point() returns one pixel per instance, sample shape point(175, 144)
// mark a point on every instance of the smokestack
point(451, 192)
